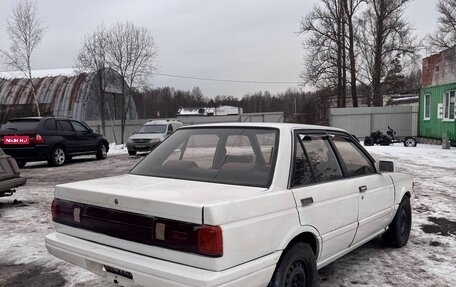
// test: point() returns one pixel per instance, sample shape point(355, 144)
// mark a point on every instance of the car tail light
point(183, 236)
point(210, 240)
point(38, 139)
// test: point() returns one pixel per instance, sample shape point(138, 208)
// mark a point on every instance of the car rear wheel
point(132, 152)
point(102, 152)
point(398, 232)
point(57, 157)
point(297, 267)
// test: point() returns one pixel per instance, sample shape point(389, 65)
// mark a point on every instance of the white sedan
point(239, 204)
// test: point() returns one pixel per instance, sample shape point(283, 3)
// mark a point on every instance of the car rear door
point(375, 190)
point(324, 198)
point(70, 140)
point(87, 140)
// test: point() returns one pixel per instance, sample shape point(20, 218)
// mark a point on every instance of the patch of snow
point(117, 149)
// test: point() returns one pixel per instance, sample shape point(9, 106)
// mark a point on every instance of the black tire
point(102, 151)
point(398, 232)
point(410, 142)
point(368, 141)
point(297, 267)
point(21, 164)
point(132, 152)
point(57, 156)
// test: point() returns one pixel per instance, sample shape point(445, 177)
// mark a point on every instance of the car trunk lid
point(172, 199)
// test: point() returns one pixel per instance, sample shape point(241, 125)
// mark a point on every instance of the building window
point(449, 99)
point(427, 107)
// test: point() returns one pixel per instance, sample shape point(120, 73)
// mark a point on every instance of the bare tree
point(386, 36)
point(25, 33)
point(325, 48)
point(132, 52)
point(350, 8)
point(445, 36)
point(92, 59)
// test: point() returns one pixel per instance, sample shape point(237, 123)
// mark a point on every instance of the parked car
point(9, 175)
point(242, 204)
point(150, 135)
point(54, 139)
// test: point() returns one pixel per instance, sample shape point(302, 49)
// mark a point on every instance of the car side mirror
point(90, 131)
point(385, 166)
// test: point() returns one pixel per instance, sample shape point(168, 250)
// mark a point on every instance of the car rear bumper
point(148, 271)
point(6, 185)
point(35, 153)
point(139, 147)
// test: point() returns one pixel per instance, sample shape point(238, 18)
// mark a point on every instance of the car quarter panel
point(403, 183)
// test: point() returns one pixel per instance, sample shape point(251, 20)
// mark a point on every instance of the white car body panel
point(257, 223)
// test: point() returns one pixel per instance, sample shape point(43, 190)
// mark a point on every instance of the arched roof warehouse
point(63, 93)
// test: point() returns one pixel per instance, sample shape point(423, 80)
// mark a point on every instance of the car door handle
point(307, 201)
point(362, 188)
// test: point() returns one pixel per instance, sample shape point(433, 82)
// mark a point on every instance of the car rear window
point(239, 156)
point(21, 125)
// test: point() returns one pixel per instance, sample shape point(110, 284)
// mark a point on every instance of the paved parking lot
point(428, 260)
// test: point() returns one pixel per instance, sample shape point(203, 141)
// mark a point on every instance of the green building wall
point(435, 128)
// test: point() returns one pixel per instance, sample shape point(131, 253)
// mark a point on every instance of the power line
point(227, 80)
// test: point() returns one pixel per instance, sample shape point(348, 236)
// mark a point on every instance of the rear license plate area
point(118, 272)
point(16, 140)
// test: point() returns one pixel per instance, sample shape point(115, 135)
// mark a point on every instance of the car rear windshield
point(152, 129)
point(21, 125)
point(240, 156)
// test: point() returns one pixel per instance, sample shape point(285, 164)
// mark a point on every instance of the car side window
point(315, 161)
point(79, 127)
point(64, 125)
point(356, 162)
point(50, 125)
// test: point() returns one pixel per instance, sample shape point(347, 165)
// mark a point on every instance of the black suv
point(50, 138)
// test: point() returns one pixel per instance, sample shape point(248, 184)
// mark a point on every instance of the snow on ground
point(117, 149)
point(428, 260)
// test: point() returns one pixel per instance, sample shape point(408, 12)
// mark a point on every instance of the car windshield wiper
point(12, 129)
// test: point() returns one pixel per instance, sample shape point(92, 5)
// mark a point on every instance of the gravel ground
point(428, 260)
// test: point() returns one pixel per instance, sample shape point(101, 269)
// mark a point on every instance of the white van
point(150, 135)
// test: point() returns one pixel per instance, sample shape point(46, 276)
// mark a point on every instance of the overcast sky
point(235, 39)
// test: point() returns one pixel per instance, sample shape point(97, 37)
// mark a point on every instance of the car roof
point(162, 122)
point(40, 118)
point(280, 126)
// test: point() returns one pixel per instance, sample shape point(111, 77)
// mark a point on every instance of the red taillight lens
point(210, 240)
point(39, 139)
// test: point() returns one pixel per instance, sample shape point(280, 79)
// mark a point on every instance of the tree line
point(297, 105)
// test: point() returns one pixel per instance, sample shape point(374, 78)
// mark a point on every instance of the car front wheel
point(102, 152)
point(398, 232)
point(132, 152)
point(57, 157)
point(297, 267)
